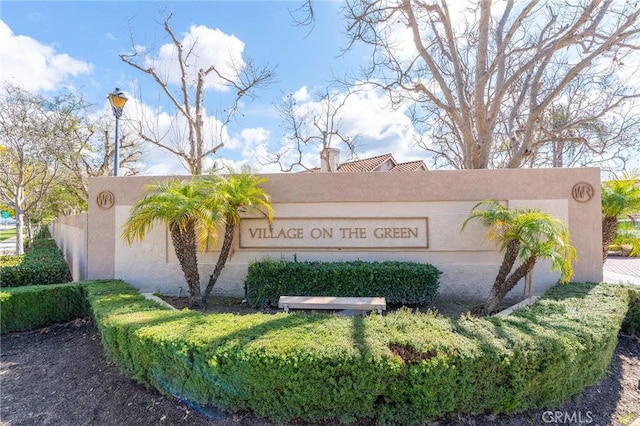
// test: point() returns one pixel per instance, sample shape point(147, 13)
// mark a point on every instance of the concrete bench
point(344, 303)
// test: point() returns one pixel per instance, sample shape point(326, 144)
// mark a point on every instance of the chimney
point(329, 160)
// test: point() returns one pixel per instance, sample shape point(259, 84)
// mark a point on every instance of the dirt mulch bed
point(60, 376)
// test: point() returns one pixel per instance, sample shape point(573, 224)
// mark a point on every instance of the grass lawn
point(7, 233)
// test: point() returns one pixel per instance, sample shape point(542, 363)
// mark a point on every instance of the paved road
point(8, 246)
point(625, 270)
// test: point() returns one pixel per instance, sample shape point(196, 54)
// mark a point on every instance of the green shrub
point(401, 368)
point(43, 263)
point(406, 283)
point(115, 297)
point(26, 308)
point(398, 368)
point(631, 323)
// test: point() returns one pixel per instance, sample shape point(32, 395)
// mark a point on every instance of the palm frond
point(539, 235)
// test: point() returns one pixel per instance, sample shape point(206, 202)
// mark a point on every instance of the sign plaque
point(335, 233)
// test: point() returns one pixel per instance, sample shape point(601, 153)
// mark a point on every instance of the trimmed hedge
point(401, 368)
point(406, 283)
point(398, 368)
point(43, 263)
point(631, 323)
point(26, 308)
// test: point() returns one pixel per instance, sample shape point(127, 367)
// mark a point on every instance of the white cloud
point(205, 47)
point(251, 137)
point(34, 66)
point(366, 114)
point(247, 146)
point(302, 95)
point(381, 129)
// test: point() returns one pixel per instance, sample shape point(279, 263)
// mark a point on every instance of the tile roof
point(365, 165)
point(410, 166)
point(371, 164)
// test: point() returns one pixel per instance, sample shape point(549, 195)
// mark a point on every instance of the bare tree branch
point(483, 84)
point(313, 127)
point(243, 78)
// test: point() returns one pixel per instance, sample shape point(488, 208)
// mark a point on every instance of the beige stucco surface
point(70, 233)
point(442, 198)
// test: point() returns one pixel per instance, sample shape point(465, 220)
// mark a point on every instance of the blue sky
point(51, 46)
point(75, 45)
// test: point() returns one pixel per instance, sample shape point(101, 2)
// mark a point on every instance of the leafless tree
point(484, 81)
point(188, 101)
point(90, 151)
point(578, 132)
point(312, 126)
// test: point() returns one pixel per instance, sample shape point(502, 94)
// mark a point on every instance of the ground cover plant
point(631, 323)
point(29, 307)
point(10, 260)
point(401, 367)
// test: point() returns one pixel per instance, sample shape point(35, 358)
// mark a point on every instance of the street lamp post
point(117, 101)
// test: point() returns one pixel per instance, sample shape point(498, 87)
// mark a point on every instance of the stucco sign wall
point(403, 216)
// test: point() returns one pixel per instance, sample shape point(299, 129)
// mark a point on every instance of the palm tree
point(236, 194)
point(619, 198)
point(527, 235)
point(185, 207)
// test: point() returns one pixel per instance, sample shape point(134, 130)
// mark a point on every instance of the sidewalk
point(622, 270)
point(8, 246)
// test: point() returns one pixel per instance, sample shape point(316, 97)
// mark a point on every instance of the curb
point(526, 302)
point(156, 299)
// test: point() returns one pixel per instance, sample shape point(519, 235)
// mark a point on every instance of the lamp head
point(117, 101)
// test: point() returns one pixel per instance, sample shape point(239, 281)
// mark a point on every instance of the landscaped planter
point(401, 367)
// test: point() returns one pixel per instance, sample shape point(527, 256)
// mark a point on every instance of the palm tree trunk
point(184, 244)
point(510, 256)
point(500, 289)
point(609, 231)
point(229, 232)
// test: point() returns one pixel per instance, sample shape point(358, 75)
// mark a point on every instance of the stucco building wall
point(367, 216)
point(70, 234)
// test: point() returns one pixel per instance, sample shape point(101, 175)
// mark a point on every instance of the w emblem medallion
point(105, 200)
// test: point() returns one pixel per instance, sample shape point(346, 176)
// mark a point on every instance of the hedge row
point(398, 368)
point(402, 367)
point(43, 263)
point(404, 283)
point(631, 323)
point(26, 308)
